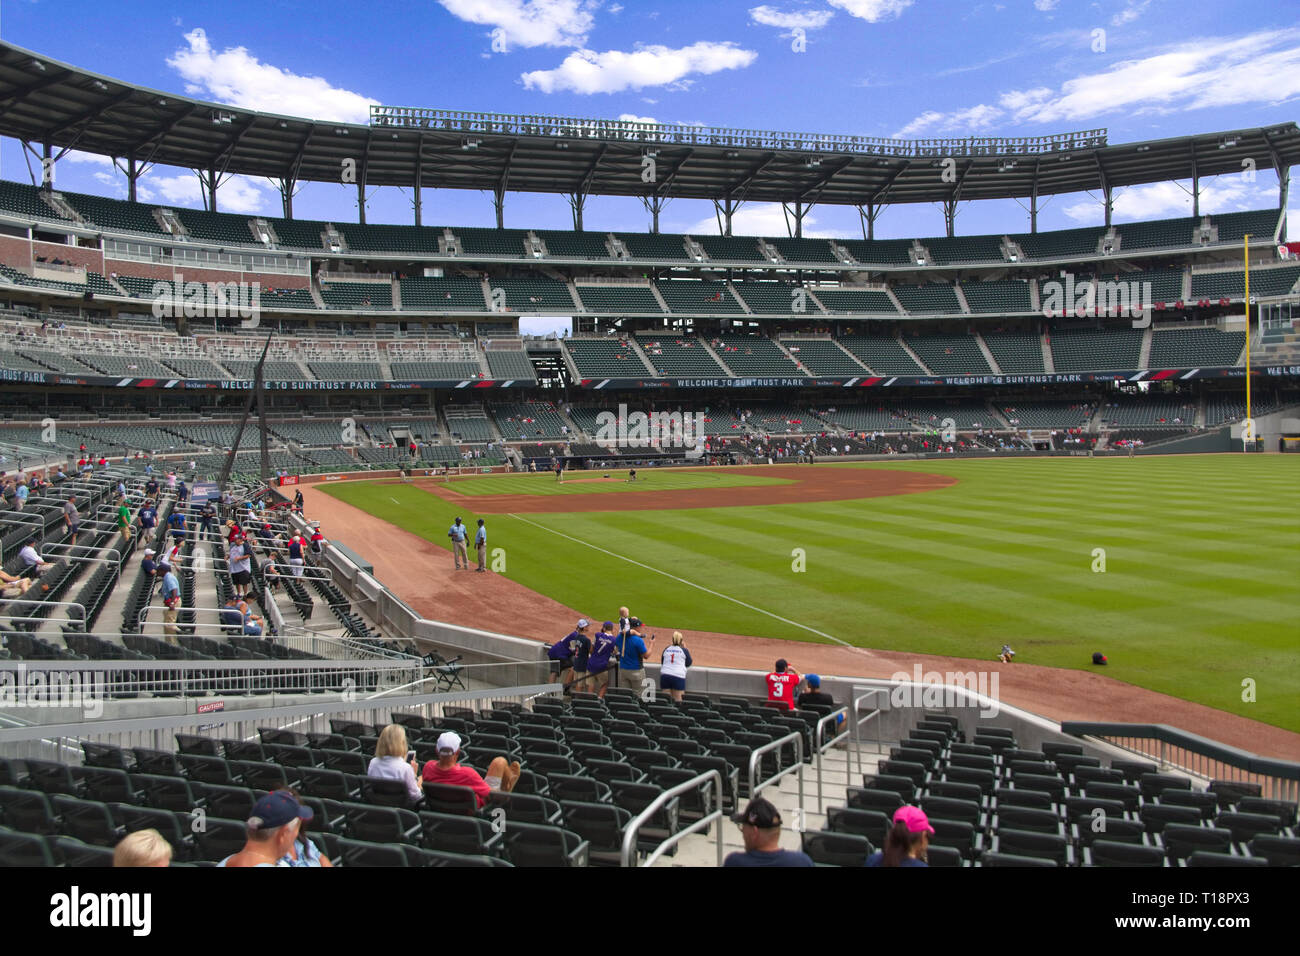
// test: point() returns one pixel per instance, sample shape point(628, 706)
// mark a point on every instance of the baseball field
point(1184, 571)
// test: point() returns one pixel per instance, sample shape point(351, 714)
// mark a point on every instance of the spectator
point(907, 841)
point(148, 517)
point(673, 663)
point(71, 519)
point(241, 566)
point(568, 655)
point(272, 831)
point(781, 684)
point(304, 851)
point(142, 848)
point(12, 586)
point(814, 696)
point(20, 496)
point(171, 595)
point(760, 827)
point(152, 565)
point(252, 623)
point(295, 554)
point(501, 775)
point(392, 761)
point(598, 660)
point(633, 650)
point(317, 540)
point(207, 518)
point(176, 521)
point(231, 616)
point(33, 566)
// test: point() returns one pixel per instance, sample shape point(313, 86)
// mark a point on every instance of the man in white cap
point(447, 769)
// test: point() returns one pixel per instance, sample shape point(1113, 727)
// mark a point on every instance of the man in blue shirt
point(760, 827)
point(252, 623)
point(457, 535)
point(480, 545)
point(171, 595)
point(633, 651)
point(602, 648)
point(148, 516)
point(231, 616)
point(176, 520)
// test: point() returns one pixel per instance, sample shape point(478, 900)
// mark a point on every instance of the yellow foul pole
point(1246, 253)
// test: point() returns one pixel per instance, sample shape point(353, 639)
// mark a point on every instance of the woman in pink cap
point(907, 840)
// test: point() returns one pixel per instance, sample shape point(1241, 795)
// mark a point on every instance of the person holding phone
point(393, 761)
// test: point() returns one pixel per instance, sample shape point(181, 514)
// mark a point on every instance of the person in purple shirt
point(760, 826)
point(603, 646)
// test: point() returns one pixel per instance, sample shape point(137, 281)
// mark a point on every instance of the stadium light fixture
point(340, 131)
point(469, 144)
point(1144, 149)
point(1228, 142)
point(101, 86)
point(561, 145)
point(37, 64)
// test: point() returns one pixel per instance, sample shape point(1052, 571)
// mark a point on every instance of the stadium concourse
point(417, 570)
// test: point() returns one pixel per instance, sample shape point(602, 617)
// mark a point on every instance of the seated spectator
point(814, 696)
point(152, 565)
point(142, 848)
point(252, 623)
point(392, 761)
point(447, 769)
point(231, 616)
point(760, 827)
point(273, 830)
point(12, 586)
point(906, 842)
point(33, 565)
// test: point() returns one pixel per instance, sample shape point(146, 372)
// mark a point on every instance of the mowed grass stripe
point(1202, 562)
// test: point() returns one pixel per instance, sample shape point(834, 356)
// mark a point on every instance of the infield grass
point(1198, 594)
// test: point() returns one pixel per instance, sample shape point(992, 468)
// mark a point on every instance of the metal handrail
point(755, 755)
point(628, 852)
point(821, 748)
point(23, 599)
point(859, 721)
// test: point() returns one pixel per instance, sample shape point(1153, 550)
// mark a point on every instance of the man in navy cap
point(272, 829)
point(760, 827)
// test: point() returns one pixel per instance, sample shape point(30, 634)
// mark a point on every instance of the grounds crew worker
point(457, 535)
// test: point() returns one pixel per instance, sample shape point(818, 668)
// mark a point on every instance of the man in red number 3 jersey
point(781, 684)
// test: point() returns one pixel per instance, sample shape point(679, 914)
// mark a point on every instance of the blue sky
point(915, 68)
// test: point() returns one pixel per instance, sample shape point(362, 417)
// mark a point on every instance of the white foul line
point(699, 587)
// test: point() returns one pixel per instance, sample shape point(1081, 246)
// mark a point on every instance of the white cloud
point(633, 118)
point(236, 77)
point(616, 8)
point(240, 194)
point(586, 71)
point(758, 219)
point(1194, 74)
point(1130, 13)
point(528, 23)
point(806, 19)
point(93, 159)
point(1169, 200)
point(872, 11)
point(971, 120)
point(1045, 5)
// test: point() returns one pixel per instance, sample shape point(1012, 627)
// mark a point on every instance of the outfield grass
point(596, 482)
point(1202, 567)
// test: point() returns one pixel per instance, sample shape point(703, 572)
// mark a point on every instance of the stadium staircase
point(1144, 355)
point(965, 306)
point(1048, 365)
point(908, 349)
point(979, 340)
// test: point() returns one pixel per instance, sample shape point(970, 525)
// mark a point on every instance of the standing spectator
point(176, 520)
point(151, 487)
point(781, 684)
point(392, 761)
point(673, 663)
point(633, 650)
point(71, 518)
point(907, 841)
point(297, 501)
point(500, 776)
point(171, 595)
point(568, 655)
point(602, 647)
point(171, 481)
point(317, 539)
point(760, 827)
point(148, 518)
point(241, 567)
point(207, 518)
point(457, 535)
point(295, 554)
point(480, 545)
point(20, 496)
point(182, 493)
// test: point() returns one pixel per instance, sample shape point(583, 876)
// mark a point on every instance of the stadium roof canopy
point(50, 104)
